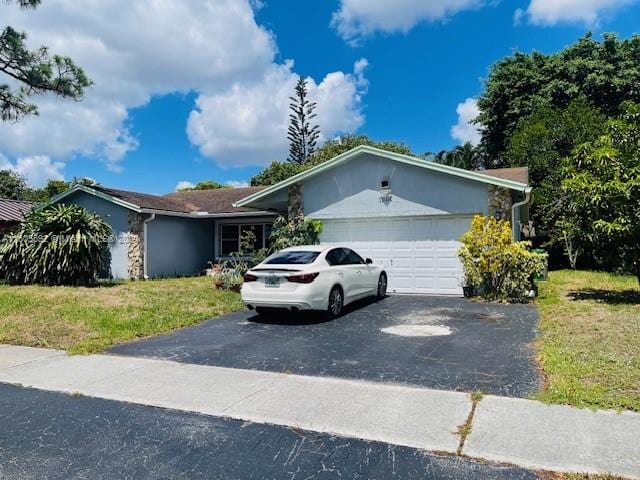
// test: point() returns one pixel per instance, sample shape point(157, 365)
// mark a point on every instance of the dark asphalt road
point(490, 348)
point(57, 436)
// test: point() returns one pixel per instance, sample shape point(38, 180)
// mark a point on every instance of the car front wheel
point(336, 302)
point(382, 286)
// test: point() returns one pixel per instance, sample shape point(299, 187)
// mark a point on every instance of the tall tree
point(302, 135)
point(206, 185)
point(540, 142)
point(603, 183)
point(34, 72)
point(12, 185)
point(604, 74)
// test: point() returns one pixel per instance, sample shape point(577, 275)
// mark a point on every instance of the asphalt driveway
point(486, 347)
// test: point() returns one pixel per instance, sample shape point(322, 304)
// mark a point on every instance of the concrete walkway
point(522, 432)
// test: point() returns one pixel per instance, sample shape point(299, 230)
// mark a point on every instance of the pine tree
point(36, 72)
point(302, 135)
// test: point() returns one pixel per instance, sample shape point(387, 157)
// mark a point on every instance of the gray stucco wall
point(178, 246)
point(115, 216)
point(353, 190)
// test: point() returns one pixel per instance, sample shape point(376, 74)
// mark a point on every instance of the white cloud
point(464, 131)
point(356, 19)
point(237, 183)
point(36, 170)
point(551, 12)
point(247, 124)
point(132, 51)
point(184, 184)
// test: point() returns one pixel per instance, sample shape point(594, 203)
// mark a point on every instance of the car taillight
point(250, 278)
point(303, 278)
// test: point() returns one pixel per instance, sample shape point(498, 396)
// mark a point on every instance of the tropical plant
point(59, 245)
point(467, 156)
point(301, 134)
point(35, 72)
point(603, 184)
point(496, 265)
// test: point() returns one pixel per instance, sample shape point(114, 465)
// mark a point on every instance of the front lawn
point(85, 320)
point(589, 346)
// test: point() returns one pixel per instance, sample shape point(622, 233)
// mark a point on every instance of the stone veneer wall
point(135, 244)
point(500, 199)
point(295, 208)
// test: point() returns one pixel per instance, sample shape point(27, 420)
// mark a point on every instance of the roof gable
point(501, 180)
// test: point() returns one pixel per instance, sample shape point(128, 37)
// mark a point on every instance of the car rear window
point(293, 258)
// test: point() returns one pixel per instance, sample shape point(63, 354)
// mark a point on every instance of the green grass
point(87, 320)
point(589, 345)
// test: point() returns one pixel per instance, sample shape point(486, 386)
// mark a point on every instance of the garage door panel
point(419, 253)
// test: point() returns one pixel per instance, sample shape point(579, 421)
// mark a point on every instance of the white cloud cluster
point(247, 124)
point(154, 47)
point(552, 12)
point(237, 183)
point(182, 184)
point(465, 131)
point(356, 19)
point(36, 170)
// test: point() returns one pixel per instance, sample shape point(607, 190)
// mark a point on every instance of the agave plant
point(59, 245)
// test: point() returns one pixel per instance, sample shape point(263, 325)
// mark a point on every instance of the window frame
point(238, 227)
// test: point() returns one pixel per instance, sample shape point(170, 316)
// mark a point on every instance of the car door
point(347, 276)
point(360, 272)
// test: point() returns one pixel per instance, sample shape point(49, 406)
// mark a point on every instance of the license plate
point(272, 282)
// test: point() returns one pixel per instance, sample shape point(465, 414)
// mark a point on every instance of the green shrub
point(59, 245)
point(494, 264)
point(291, 233)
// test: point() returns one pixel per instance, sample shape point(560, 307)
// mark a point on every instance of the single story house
point(12, 212)
point(403, 212)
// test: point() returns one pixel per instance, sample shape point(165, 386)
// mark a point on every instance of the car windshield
point(293, 257)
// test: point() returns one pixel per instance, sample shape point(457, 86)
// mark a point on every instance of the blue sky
point(200, 91)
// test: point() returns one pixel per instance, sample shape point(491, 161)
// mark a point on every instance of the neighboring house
point(12, 212)
point(404, 212)
point(170, 235)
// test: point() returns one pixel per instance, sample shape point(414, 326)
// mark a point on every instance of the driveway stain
point(417, 330)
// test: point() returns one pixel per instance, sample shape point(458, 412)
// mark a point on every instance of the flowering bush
point(494, 264)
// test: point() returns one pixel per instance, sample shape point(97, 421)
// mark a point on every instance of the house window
point(230, 235)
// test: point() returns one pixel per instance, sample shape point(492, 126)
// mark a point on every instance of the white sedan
point(312, 278)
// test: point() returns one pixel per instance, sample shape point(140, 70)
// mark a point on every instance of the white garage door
point(420, 254)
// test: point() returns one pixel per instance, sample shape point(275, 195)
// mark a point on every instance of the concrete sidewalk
point(517, 431)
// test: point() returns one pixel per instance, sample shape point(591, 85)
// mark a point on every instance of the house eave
point(90, 191)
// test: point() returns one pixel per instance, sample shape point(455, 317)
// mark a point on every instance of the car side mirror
point(368, 261)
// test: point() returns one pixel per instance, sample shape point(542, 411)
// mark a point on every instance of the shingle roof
point(517, 174)
point(14, 210)
point(145, 200)
point(220, 200)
